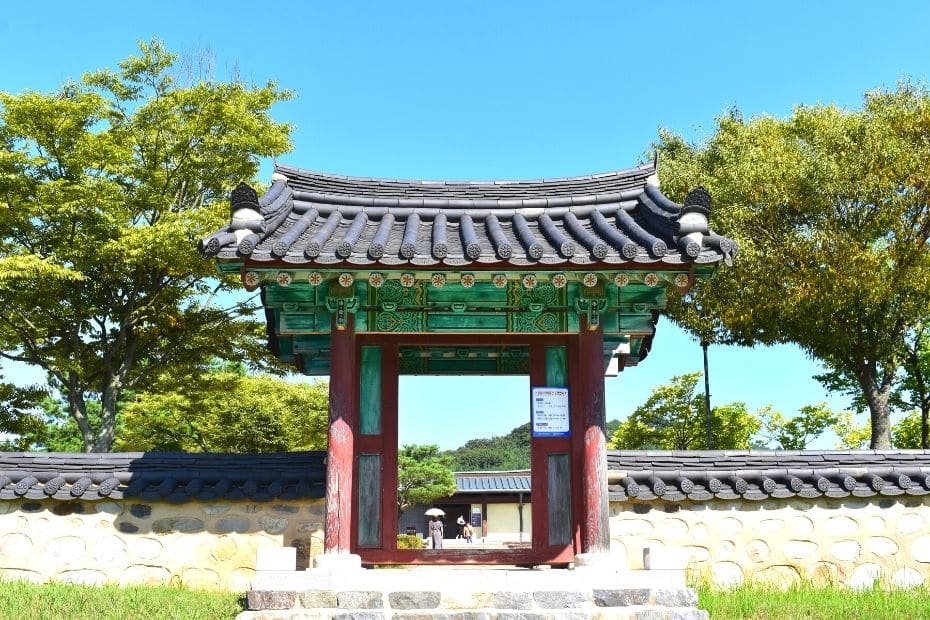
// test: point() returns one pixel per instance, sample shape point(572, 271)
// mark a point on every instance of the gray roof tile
point(607, 219)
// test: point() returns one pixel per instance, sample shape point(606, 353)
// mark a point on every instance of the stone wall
point(196, 544)
point(851, 541)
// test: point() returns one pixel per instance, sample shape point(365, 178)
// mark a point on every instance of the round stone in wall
point(146, 548)
point(770, 526)
point(18, 574)
point(109, 550)
point(215, 509)
point(875, 524)
point(112, 508)
point(757, 550)
point(799, 549)
point(730, 525)
point(801, 526)
point(824, 574)
point(906, 578)
point(232, 524)
point(910, 523)
point(726, 574)
point(845, 550)
point(699, 531)
point(15, 545)
point(882, 546)
point(842, 526)
point(66, 549)
point(864, 576)
point(272, 525)
point(223, 548)
point(84, 577)
point(185, 525)
point(697, 553)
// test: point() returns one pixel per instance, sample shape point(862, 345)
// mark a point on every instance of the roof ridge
point(621, 172)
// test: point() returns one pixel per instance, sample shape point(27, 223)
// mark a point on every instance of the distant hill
point(501, 453)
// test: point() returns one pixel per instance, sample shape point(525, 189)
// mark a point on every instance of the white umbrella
point(435, 512)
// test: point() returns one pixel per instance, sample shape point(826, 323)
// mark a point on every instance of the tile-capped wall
point(851, 541)
point(205, 545)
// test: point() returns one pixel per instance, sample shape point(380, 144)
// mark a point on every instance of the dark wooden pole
point(708, 414)
point(340, 455)
point(589, 396)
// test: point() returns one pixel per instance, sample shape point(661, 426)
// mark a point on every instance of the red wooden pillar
point(340, 455)
point(590, 415)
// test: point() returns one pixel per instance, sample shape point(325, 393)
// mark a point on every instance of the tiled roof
point(763, 474)
point(632, 475)
point(492, 482)
point(314, 219)
point(169, 476)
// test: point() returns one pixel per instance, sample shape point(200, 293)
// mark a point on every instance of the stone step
point(633, 612)
point(620, 603)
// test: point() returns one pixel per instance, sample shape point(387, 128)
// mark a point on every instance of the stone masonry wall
point(850, 541)
point(199, 545)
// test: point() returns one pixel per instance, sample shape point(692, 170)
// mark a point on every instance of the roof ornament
point(247, 219)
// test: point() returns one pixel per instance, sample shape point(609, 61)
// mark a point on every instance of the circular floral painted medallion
point(375, 280)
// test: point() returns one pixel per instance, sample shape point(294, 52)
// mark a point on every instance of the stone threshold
point(472, 593)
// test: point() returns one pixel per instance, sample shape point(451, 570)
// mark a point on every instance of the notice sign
point(550, 412)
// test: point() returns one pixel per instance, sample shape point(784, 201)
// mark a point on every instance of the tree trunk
point(877, 399)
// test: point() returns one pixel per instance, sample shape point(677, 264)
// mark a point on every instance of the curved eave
point(599, 220)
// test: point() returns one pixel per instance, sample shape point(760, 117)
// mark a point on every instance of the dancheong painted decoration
point(466, 257)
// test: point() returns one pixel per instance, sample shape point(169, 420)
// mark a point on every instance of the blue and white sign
point(550, 412)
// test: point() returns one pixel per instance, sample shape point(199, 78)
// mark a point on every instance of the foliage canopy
point(831, 208)
point(105, 186)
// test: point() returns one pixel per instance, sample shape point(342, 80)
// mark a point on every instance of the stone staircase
point(468, 593)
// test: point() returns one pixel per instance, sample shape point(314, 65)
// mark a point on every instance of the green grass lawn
point(23, 601)
point(806, 601)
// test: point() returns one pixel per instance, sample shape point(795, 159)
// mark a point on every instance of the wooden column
point(340, 455)
point(590, 415)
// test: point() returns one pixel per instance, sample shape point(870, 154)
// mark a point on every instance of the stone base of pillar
point(337, 562)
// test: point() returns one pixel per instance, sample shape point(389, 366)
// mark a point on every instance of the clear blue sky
point(482, 90)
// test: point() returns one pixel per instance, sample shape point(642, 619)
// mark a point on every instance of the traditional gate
point(562, 280)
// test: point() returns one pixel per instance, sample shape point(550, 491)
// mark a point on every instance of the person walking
point(466, 533)
point(435, 532)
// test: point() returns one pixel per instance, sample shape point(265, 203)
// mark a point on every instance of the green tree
point(797, 432)
point(852, 434)
point(423, 475)
point(831, 208)
point(914, 391)
point(907, 432)
point(673, 418)
point(105, 186)
point(499, 453)
point(17, 413)
point(228, 412)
